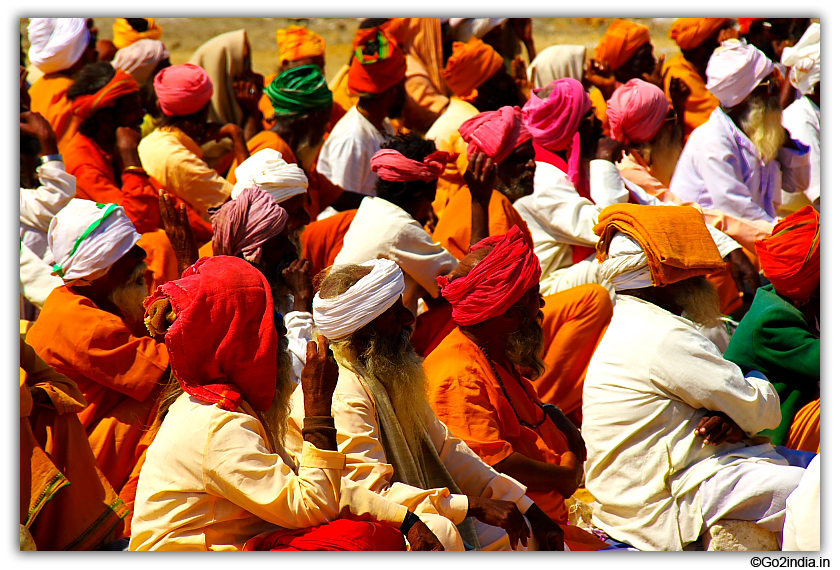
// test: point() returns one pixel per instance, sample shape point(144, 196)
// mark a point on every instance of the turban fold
point(555, 121)
point(223, 344)
point(392, 166)
point(790, 256)
point(622, 40)
point(689, 33)
point(675, 240)
point(120, 85)
point(803, 59)
point(734, 70)
point(241, 226)
point(270, 173)
point(375, 293)
point(183, 89)
point(637, 111)
point(470, 66)
point(141, 59)
point(57, 43)
point(125, 35)
point(87, 238)
point(496, 283)
point(378, 72)
point(299, 90)
point(297, 42)
point(495, 133)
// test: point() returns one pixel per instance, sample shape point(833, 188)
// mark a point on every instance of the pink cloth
point(243, 225)
point(637, 111)
point(496, 283)
point(392, 166)
point(495, 133)
point(734, 70)
point(183, 89)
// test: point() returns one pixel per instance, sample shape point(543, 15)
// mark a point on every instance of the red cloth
point(223, 345)
point(378, 72)
point(746, 23)
point(790, 256)
point(120, 85)
point(495, 133)
point(243, 225)
point(496, 283)
point(636, 111)
point(341, 534)
point(392, 166)
point(183, 89)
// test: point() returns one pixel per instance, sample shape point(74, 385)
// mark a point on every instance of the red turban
point(637, 111)
point(380, 71)
point(470, 66)
point(495, 133)
point(392, 166)
point(689, 33)
point(120, 85)
point(790, 256)
point(621, 41)
point(183, 89)
point(241, 226)
point(496, 283)
point(223, 344)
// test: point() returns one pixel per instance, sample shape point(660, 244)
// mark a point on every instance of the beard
point(525, 346)
point(276, 417)
point(294, 237)
point(664, 152)
point(521, 186)
point(129, 297)
point(698, 299)
point(763, 125)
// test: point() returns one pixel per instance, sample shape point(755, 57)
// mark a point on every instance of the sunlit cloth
point(141, 59)
point(557, 62)
point(121, 84)
point(299, 90)
point(470, 65)
point(223, 57)
point(57, 43)
point(803, 59)
point(296, 42)
point(622, 39)
point(183, 89)
point(496, 133)
point(790, 256)
point(243, 225)
point(272, 174)
point(734, 70)
point(380, 71)
point(689, 33)
point(637, 111)
point(125, 35)
point(555, 121)
point(392, 166)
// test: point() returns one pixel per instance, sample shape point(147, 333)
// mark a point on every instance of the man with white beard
point(741, 159)
point(394, 444)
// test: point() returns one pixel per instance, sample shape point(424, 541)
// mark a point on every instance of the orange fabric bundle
point(621, 41)
point(380, 71)
point(121, 84)
point(689, 33)
point(297, 42)
point(470, 65)
point(125, 35)
point(790, 256)
point(675, 239)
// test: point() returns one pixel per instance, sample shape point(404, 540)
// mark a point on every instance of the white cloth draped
point(271, 174)
point(57, 43)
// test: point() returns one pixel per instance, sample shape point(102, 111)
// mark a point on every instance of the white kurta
point(39, 206)
point(36, 279)
point(802, 523)
point(802, 119)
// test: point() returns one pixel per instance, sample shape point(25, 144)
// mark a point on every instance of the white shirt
point(345, 157)
point(802, 519)
point(802, 119)
point(36, 279)
point(39, 206)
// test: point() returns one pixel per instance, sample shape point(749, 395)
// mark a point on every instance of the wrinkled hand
point(319, 378)
point(299, 281)
point(502, 514)
point(743, 270)
point(656, 77)
point(600, 75)
point(421, 538)
point(248, 92)
point(547, 533)
point(716, 428)
point(159, 315)
point(680, 92)
point(480, 177)
point(609, 149)
point(128, 138)
point(178, 230)
point(576, 444)
point(36, 126)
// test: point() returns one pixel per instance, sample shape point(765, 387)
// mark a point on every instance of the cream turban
point(87, 238)
point(271, 174)
point(371, 296)
point(57, 43)
point(466, 28)
point(140, 59)
point(626, 265)
point(734, 70)
point(804, 60)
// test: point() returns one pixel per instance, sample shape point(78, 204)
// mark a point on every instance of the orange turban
point(120, 85)
point(470, 65)
point(621, 41)
point(125, 35)
point(790, 256)
point(378, 72)
point(689, 33)
point(297, 42)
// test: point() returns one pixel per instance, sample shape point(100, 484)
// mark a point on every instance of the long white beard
point(763, 126)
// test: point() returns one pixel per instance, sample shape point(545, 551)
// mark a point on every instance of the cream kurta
point(650, 381)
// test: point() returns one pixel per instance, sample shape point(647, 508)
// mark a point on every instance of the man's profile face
point(392, 322)
point(640, 63)
point(130, 110)
point(516, 173)
point(397, 107)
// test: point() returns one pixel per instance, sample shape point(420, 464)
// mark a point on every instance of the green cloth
point(299, 90)
point(775, 339)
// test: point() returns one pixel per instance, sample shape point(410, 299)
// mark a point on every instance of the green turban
point(299, 90)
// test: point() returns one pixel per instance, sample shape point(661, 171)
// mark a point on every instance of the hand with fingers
point(299, 281)
point(318, 378)
point(547, 533)
point(743, 271)
point(176, 223)
point(656, 77)
point(247, 93)
point(503, 514)
point(609, 149)
point(480, 177)
point(679, 92)
point(600, 75)
point(36, 126)
point(420, 538)
point(716, 428)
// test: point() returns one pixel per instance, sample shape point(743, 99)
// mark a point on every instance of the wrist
point(409, 521)
point(317, 406)
point(49, 157)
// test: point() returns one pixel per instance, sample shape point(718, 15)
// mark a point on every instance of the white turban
point(626, 265)
point(272, 174)
point(87, 238)
point(804, 60)
point(371, 296)
point(465, 28)
point(734, 70)
point(140, 59)
point(57, 43)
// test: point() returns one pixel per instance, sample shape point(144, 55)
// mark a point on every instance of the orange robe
point(804, 433)
point(444, 131)
point(339, 85)
point(262, 140)
point(701, 102)
point(323, 239)
point(49, 98)
point(117, 372)
point(599, 104)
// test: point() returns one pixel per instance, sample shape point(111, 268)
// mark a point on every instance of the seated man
point(233, 485)
point(667, 421)
point(395, 446)
point(780, 334)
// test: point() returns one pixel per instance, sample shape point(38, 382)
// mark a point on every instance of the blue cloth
point(796, 457)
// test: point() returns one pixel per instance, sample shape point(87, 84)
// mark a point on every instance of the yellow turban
point(297, 42)
point(125, 35)
point(621, 41)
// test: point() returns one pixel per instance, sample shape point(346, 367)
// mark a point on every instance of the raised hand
point(318, 378)
point(656, 77)
point(299, 281)
point(247, 93)
point(600, 75)
point(36, 126)
point(743, 270)
point(176, 223)
point(480, 177)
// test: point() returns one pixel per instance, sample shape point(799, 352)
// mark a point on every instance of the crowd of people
point(447, 300)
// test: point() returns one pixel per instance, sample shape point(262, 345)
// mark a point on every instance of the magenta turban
point(183, 89)
point(637, 111)
point(495, 133)
point(554, 121)
point(243, 225)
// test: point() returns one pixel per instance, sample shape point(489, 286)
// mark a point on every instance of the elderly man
point(234, 486)
point(741, 159)
point(667, 421)
point(395, 446)
point(143, 60)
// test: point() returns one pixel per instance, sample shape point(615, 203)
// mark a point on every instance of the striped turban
point(241, 226)
point(298, 91)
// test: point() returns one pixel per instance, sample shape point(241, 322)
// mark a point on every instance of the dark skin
point(118, 130)
point(699, 56)
point(481, 179)
point(771, 36)
point(501, 82)
point(296, 208)
point(99, 290)
point(198, 129)
point(521, 161)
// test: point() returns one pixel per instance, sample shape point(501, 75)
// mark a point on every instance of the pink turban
point(554, 121)
point(183, 89)
point(243, 225)
point(391, 165)
point(496, 283)
point(495, 133)
point(637, 111)
point(734, 70)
